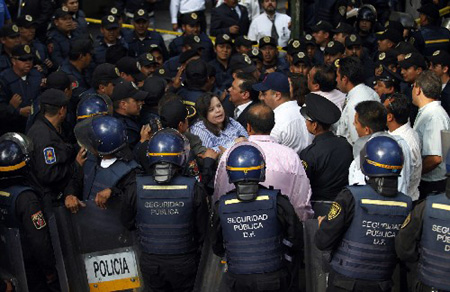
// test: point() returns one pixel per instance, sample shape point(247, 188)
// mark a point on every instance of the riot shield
point(98, 252)
point(315, 265)
point(12, 266)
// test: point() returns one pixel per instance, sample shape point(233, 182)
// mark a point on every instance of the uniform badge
point(342, 10)
point(308, 37)
point(255, 51)
point(436, 53)
point(194, 15)
point(65, 9)
point(336, 63)
point(335, 210)
point(113, 10)
point(162, 71)
point(111, 18)
point(27, 49)
point(382, 56)
point(15, 28)
point(406, 222)
point(226, 37)
point(407, 56)
point(38, 220)
point(247, 59)
point(75, 84)
point(49, 155)
point(353, 38)
point(29, 18)
point(295, 44)
point(330, 44)
point(266, 39)
point(301, 55)
point(305, 165)
point(197, 39)
point(117, 71)
point(149, 57)
point(141, 12)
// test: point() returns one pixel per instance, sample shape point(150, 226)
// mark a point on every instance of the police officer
point(104, 78)
point(421, 240)
point(9, 38)
point(109, 170)
point(192, 46)
point(163, 200)
point(365, 25)
point(20, 208)
point(271, 62)
point(148, 64)
point(54, 158)
point(430, 37)
point(326, 169)
point(22, 85)
point(223, 48)
point(251, 224)
point(366, 218)
point(141, 38)
point(59, 36)
point(92, 105)
point(110, 35)
point(196, 79)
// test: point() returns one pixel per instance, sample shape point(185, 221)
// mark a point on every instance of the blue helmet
point(381, 156)
point(245, 163)
point(168, 145)
point(93, 105)
point(102, 134)
point(15, 151)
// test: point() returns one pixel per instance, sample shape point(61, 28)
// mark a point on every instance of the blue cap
point(275, 81)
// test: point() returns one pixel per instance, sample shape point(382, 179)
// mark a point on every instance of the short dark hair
point(325, 77)
point(114, 53)
point(166, 98)
point(261, 118)
point(50, 110)
point(96, 83)
point(352, 68)
point(390, 84)
point(247, 84)
point(430, 84)
point(84, 47)
point(372, 114)
point(202, 105)
point(399, 107)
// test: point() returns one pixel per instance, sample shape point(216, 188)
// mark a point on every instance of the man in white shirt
point(290, 127)
point(180, 7)
point(242, 96)
point(322, 81)
point(350, 80)
point(271, 23)
point(430, 121)
point(398, 109)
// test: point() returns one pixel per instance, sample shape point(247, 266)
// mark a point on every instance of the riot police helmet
point(367, 12)
point(93, 105)
point(381, 157)
point(15, 155)
point(101, 135)
point(169, 146)
point(246, 163)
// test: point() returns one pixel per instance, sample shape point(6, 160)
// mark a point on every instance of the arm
point(253, 31)
point(408, 238)
point(332, 229)
point(216, 27)
point(129, 208)
point(174, 8)
point(430, 162)
point(290, 224)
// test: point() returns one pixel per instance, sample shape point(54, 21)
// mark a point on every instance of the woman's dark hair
point(202, 105)
point(299, 88)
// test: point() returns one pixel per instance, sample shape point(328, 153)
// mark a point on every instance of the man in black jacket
point(230, 18)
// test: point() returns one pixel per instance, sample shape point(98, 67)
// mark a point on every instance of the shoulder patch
point(305, 165)
point(49, 155)
point(406, 222)
point(335, 210)
point(38, 220)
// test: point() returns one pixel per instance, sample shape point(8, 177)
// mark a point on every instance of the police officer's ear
point(445, 69)
point(390, 117)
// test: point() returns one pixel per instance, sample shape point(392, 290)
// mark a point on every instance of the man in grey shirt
point(430, 121)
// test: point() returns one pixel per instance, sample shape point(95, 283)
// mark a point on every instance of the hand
point(240, 139)
point(15, 100)
point(39, 68)
point(222, 149)
point(145, 133)
point(73, 204)
point(74, 25)
point(210, 154)
point(234, 29)
point(102, 197)
point(48, 63)
point(25, 111)
point(175, 26)
point(81, 156)
point(320, 219)
point(177, 79)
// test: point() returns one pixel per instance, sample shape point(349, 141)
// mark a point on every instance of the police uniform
point(82, 82)
point(100, 48)
point(176, 47)
point(82, 26)
point(280, 64)
point(421, 238)
point(53, 157)
point(61, 46)
point(328, 158)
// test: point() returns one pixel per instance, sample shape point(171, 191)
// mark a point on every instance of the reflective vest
point(8, 199)
point(434, 263)
point(367, 250)
point(165, 215)
point(251, 233)
point(435, 38)
point(97, 178)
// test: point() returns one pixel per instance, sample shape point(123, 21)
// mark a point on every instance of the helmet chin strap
point(163, 172)
point(385, 186)
point(247, 191)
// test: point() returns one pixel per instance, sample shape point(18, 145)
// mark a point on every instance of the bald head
point(261, 119)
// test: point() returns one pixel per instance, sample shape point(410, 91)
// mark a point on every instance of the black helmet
point(15, 150)
point(367, 12)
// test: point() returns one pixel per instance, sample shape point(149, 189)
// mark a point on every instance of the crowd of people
point(240, 137)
